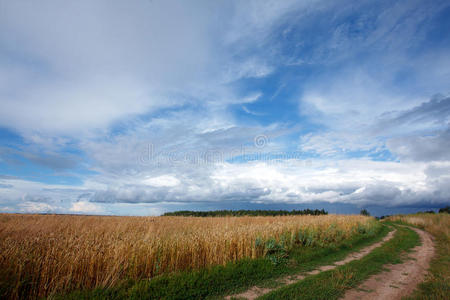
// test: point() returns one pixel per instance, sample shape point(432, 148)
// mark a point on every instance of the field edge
point(218, 281)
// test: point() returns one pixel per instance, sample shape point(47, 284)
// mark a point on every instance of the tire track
point(256, 291)
point(401, 279)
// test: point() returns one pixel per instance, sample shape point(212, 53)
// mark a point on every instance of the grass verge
point(333, 284)
point(229, 279)
point(437, 281)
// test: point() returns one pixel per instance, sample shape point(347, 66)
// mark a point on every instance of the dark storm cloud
point(436, 111)
point(432, 147)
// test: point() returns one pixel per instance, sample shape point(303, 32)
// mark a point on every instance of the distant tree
point(445, 209)
point(364, 212)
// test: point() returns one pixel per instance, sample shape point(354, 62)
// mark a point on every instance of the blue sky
point(142, 107)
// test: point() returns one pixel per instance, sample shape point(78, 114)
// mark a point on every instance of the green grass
point(333, 284)
point(437, 282)
point(233, 278)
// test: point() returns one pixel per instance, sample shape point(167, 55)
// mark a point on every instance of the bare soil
point(256, 291)
point(400, 279)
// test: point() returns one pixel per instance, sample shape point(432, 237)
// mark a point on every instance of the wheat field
point(41, 255)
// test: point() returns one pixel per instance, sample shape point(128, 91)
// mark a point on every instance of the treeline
point(445, 210)
point(441, 211)
point(238, 213)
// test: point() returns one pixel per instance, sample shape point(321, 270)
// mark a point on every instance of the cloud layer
point(146, 106)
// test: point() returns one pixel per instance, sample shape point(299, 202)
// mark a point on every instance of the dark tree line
point(441, 210)
point(364, 212)
point(445, 210)
point(237, 213)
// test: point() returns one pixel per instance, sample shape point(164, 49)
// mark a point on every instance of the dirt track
point(255, 291)
point(401, 279)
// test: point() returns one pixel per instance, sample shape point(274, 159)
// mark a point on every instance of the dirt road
point(255, 291)
point(401, 279)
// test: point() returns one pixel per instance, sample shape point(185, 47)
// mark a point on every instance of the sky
point(143, 107)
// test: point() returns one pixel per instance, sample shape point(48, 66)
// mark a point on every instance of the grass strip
point(437, 281)
point(333, 284)
point(231, 278)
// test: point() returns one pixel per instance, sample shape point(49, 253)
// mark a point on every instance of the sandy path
point(401, 279)
point(255, 291)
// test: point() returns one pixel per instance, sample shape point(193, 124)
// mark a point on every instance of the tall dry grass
point(43, 255)
point(436, 224)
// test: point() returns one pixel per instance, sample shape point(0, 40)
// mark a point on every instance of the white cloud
point(162, 181)
point(37, 207)
point(352, 99)
point(85, 65)
point(335, 144)
point(85, 207)
point(353, 181)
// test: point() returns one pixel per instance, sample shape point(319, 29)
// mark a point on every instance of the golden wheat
point(53, 253)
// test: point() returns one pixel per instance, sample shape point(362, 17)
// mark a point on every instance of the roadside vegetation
point(333, 284)
point(116, 257)
point(437, 282)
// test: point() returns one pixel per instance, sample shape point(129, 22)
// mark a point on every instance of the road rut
point(401, 279)
point(256, 291)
